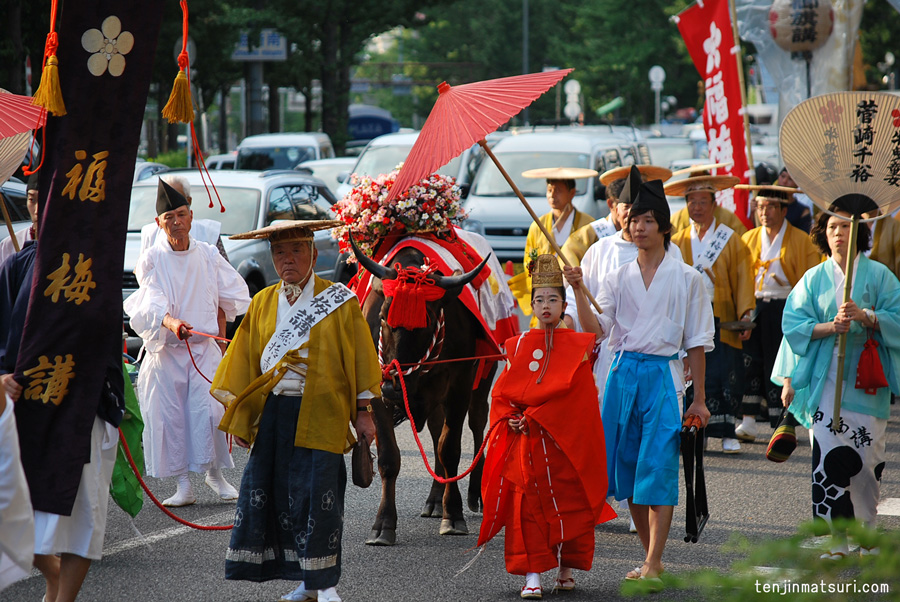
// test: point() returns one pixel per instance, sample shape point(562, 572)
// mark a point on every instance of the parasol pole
point(559, 253)
point(9, 227)
point(842, 339)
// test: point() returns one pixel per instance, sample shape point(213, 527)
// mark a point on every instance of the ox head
point(412, 322)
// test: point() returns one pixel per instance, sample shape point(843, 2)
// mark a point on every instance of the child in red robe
point(545, 472)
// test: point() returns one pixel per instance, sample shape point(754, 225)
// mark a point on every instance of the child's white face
point(548, 306)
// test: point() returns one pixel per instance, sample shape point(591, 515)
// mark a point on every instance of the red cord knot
point(52, 44)
point(183, 60)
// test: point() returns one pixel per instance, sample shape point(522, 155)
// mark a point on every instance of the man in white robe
point(653, 309)
point(603, 258)
point(185, 284)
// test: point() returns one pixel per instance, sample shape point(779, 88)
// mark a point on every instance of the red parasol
point(464, 115)
point(18, 115)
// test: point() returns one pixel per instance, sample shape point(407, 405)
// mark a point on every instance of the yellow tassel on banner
point(49, 93)
point(180, 108)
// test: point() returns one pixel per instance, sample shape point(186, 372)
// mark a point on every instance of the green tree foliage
point(879, 34)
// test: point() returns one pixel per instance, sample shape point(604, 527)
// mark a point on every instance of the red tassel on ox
point(410, 291)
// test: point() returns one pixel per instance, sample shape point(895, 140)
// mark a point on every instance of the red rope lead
point(157, 502)
point(415, 431)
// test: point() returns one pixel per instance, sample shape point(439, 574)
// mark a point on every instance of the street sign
point(572, 87)
point(272, 46)
point(572, 110)
point(657, 74)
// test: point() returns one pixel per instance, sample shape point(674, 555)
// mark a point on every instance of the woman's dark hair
point(665, 225)
point(820, 239)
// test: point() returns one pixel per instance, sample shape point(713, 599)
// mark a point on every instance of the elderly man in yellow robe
point(716, 251)
point(301, 368)
point(682, 218)
point(780, 255)
point(562, 220)
point(614, 179)
point(885, 241)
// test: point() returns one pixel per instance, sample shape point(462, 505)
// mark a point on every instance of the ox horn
point(376, 269)
point(448, 282)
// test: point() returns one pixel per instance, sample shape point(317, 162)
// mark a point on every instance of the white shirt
point(7, 249)
point(698, 247)
point(669, 316)
point(562, 233)
point(771, 250)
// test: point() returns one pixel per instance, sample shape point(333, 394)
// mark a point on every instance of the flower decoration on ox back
point(431, 206)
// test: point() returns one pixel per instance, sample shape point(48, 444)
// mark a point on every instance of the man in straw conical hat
point(682, 219)
point(654, 308)
point(780, 254)
point(300, 370)
point(614, 180)
point(723, 261)
point(562, 220)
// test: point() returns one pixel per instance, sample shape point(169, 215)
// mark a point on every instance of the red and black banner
point(70, 359)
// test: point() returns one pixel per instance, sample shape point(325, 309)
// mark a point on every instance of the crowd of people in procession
point(700, 317)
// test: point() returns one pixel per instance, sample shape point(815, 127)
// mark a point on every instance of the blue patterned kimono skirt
point(290, 513)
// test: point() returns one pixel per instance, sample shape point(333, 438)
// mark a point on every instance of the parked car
point(664, 151)
point(146, 169)
point(252, 200)
point(498, 215)
point(383, 154)
point(282, 151)
point(225, 161)
point(14, 197)
point(328, 170)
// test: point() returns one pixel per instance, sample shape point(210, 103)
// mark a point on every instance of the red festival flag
point(708, 35)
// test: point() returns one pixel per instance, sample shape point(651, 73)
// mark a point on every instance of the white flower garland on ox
point(432, 205)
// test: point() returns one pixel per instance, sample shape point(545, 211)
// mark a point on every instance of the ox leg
point(453, 522)
point(434, 504)
point(384, 531)
point(479, 411)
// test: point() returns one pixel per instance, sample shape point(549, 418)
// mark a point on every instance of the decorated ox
point(416, 317)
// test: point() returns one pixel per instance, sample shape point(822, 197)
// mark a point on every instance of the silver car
point(252, 200)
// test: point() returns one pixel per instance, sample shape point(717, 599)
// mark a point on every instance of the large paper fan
point(844, 143)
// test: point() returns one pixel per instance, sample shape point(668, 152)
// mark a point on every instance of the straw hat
point(770, 192)
point(546, 272)
point(559, 173)
point(818, 142)
point(648, 172)
point(703, 182)
point(289, 230)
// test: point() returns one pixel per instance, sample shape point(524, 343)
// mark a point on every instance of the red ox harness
point(412, 288)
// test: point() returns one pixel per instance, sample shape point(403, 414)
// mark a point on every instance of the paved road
point(153, 559)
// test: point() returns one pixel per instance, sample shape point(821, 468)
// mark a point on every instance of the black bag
point(362, 467)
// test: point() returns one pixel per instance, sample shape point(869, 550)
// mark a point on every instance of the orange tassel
point(180, 107)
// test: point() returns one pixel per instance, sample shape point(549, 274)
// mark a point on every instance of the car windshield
point(275, 157)
point(490, 182)
point(377, 160)
point(241, 207)
point(666, 153)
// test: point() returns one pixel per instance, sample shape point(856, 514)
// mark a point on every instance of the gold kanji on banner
point(93, 183)
point(50, 382)
point(79, 289)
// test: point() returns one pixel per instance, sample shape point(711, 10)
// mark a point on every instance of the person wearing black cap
point(848, 459)
point(183, 284)
point(653, 309)
point(30, 232)
point(780, 255)
point(799, 209)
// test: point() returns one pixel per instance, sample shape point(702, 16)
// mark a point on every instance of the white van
point(497, 214)
point(384, 153)
point(282, 151)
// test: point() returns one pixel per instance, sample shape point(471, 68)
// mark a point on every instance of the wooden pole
point(842, 339)
point(738, 56)
point(559, 253)
point(12, 235)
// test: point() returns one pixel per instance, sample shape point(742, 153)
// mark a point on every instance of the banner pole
point(738, 56)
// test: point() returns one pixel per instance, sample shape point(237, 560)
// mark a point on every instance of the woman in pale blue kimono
point(848, 461)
